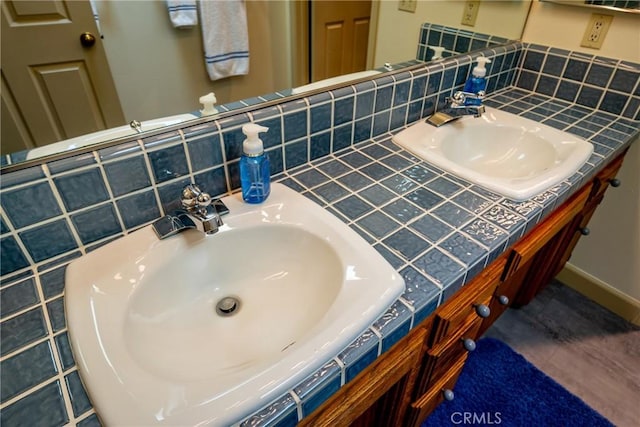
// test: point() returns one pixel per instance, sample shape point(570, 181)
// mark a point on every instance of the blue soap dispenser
point(255, 174)
point(477, 83)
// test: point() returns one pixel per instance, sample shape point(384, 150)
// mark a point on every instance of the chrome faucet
point(136, 125)
point(198, 211)
point(457, 108)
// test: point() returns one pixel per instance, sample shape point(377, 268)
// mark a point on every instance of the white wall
point(611, 253)
point(563, 26)
point(159, 70)
point(398, 31)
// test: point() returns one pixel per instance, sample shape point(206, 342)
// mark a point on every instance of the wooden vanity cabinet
point(403, 386)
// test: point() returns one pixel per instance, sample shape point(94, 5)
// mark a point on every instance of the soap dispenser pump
point(477, 83)
point(255, 174)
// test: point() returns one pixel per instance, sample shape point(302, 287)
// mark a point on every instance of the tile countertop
point(436, 229)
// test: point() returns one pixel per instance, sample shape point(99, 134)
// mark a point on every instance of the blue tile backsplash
point(437, 230)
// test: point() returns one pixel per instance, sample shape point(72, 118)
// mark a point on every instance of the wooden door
point(53, 88)
point(339, 37)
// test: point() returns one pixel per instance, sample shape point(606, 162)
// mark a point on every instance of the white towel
point(225, 37)
point(183, 13)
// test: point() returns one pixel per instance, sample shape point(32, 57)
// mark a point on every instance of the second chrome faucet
point(199, 211)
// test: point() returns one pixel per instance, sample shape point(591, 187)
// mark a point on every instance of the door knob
point(87, 39)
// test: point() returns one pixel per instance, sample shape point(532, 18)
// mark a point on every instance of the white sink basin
point(151, 347)
point(508, 154)
point(105, 135)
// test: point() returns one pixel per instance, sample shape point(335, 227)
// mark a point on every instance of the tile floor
point(590, 351)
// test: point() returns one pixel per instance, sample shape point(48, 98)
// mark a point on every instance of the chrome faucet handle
point(194, 199)
point(136, 125)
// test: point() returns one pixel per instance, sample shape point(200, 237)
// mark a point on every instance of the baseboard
point(623, 305)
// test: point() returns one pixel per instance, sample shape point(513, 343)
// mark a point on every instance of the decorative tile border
point(333, 147)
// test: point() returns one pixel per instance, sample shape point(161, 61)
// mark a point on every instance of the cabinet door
point(381, 394)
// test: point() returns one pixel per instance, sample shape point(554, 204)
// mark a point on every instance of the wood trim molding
point(607, 296)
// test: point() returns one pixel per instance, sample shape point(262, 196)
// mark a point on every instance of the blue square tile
point(359, 354)
point(402, 210)
point(343, 110)
point(213, 181)
point(424, 198)
point(381, 123)
point(81, 189)
point(527, 80)
point(127, 175)
point(55, 309)
point(362, 130)
point(331, 192)
point(161, 140)
point(273, 137)
point(463, 248)
point(599, 75)
point(97, 223)
point(419, 174)
point(31, 204)
point(355, 181)
point(342, 137)
point(138, 209)
point(624, 80)
point(394, 324)
point(431, 227)
point(168, 163)
point(48, 240)
point(276, 160)
point(205, 152)
point(17, 296)
point(533, 61)
point(420, 292)
point(3, 227)
point(383, 98)
point(377, 195)
point(376, 171)
point(441, 268)
point(613, 102)
point(334, 168)
point(170, 194)
point(589, 96)
point(296, 153)
point(21, 176)
point(295, 125)
point(418, 88)
point(42, 407)
point(320, 145)
point(453, 214)
point(406, 243)
point(319, 386)
point(25, 370)
point(401, 93)
point(375, 151)
point(64, 351)
point(355, 159)
point(547, 85)
point(378, 224)
point(22, 330)
point(320, 117)
point(311, 178)
point(398, 117)
point(575, 70)
point(396, 162)
point(353, 207)
point(79, 399)
point(364, 104)
point(503, 218)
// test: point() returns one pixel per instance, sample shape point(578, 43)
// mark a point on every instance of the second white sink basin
point(157, 343)
point(508, 154)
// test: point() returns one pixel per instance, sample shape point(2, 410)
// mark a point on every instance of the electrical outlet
point(407, 5)
point(596, 30)
point(470, 12)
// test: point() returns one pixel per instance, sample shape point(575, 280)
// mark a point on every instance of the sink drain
point(228, 306)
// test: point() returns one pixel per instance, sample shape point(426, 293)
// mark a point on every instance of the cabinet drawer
point(439, 359)
point(420, 409)
point(452, 315)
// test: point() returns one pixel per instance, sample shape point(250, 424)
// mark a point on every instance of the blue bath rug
point(498, 387)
